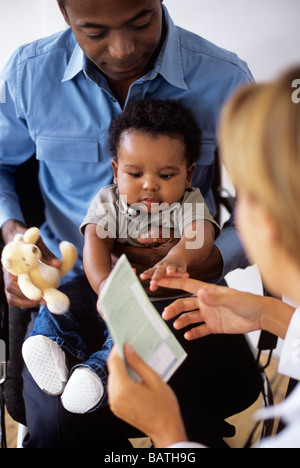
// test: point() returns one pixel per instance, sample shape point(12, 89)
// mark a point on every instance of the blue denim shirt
point(57, 105)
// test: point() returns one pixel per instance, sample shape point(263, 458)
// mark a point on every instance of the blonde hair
point(260, 147)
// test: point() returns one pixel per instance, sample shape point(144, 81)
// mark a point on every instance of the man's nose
point(121, 46)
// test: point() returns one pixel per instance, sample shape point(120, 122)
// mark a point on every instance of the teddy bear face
point(19, 257)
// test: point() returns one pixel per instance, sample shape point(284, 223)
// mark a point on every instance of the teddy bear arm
point(28, 288)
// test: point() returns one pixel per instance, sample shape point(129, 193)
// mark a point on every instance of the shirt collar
point(165, 65)
point(75, 64)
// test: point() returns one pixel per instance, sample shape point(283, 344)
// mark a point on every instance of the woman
point(260, 141)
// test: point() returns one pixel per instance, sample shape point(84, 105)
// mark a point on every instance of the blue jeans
point(81, 332)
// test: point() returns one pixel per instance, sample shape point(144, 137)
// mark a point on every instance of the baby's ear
point(114, 165)
point(190, 173)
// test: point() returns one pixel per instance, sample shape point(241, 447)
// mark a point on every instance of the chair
point(2, 380)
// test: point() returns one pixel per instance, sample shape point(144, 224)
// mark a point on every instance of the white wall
point(23, 21)
point(265, 33)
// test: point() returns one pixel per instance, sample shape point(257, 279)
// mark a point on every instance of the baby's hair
point(157, 117)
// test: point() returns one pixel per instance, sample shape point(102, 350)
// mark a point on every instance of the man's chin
point(118, 74)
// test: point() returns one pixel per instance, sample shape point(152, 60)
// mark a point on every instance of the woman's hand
point(149, 405)
point(214, 310)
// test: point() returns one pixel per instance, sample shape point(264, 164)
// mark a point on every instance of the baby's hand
point(170, 266)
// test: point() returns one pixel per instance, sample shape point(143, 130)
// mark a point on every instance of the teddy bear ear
point(32, 235)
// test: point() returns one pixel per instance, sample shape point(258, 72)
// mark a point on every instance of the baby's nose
point(151, 184)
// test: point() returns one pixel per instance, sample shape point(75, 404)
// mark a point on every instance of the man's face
point(118, 36)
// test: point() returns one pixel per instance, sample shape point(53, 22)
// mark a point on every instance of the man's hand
point(14, 295)
point(143, 258)
point(155, 236)
point(209, 270)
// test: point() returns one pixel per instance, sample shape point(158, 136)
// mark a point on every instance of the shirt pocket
point(67, 149)
point(68, 160)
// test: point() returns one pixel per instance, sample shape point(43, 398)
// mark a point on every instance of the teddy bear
point(22, 258)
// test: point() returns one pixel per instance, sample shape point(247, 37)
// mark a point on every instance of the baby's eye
point(136, 175)
point(166, 176)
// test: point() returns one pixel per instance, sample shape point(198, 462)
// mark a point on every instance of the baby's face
point(151, 170)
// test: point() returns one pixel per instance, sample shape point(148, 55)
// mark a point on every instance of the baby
point(155, 146)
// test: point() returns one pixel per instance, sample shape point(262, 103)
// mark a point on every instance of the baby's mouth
point(150, 201)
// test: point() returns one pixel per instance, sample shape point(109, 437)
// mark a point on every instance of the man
point(61, 94)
